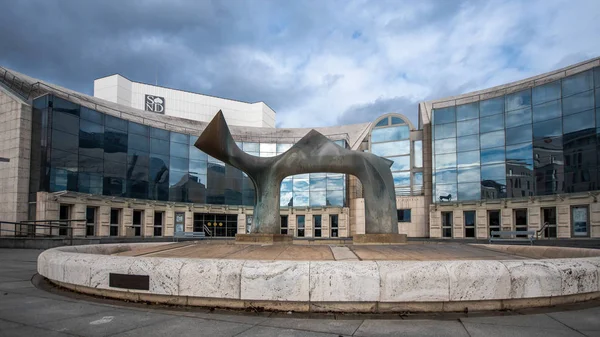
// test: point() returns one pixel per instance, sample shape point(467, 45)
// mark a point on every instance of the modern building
point(511, 157)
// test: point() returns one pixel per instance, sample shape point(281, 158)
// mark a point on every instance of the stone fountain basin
point(539, 277)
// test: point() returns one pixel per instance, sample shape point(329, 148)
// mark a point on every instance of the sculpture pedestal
point(263, 239)
point(378, 239)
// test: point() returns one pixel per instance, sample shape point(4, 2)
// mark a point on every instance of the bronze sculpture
point(312, 154)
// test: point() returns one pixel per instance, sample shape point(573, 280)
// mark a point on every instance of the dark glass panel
point(445, 146)
point(469, 191)
point(138, 142)
point(467, 111)
point(92, 115)
point(197, 167)
point(518, 117)
point(90, 183)
point(578, 102)
point(40, 102)
point(468, 143)
point(444, 115)
point(387, 134)
point(64, 159)
point(114, 186)
point(546, 111)
point(519, 134)
point(91, 139)
point(179, 150)
point(383, 122)
point(492, 123)
point(139, 129)
point(197, 189)
point(196, 154)
point(65, 122)
point(597, 99)
point(492, 156)
point(62, 180)
point(577, 122)
point(398, 120)
point(445, 131)
point(545, 93)
point(518, 100)
point(137, 157)
point(492, 139)
point(577, 83)
point(597, 77)
point(59, 104)
point(493, 189)
point(180, 138)
point(65, 141)
point(469, 127)
point(115, 145)
point(91, 164)
point(115, 123)
point(159, 146)
point(491, 106)
point(520, 155)
point(159, 133)
point(178, 186)
point(550, 128)
point(179, 164)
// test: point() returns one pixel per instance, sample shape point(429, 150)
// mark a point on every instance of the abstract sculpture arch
point(312, 154)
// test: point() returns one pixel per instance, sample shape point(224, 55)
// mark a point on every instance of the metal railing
point(40, 228)
point(207, 230)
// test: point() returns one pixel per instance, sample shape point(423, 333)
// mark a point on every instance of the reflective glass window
point(198, 166)
point(401, 178)
point(91, 138)
point(281, 148)
point(270, 148)
point(301, 182)
point(115, 145)
point(445, 160)
point(445, 190)
point(287, 184)
point(391, 148)
point(467, 143)
point(159, 133)
point(318, 198)
point(445, 146)
point(335, 183)
point(335, 198)
point(400, 163)
point(138, 142)
point(578, 102)
point(92, 115)
point(445, 131)
point(468, 174)
point(491, 123)
point(196, 154)
point(520, 154)
point(491, 106)
point(492, 139)
point(251, 147)
point(597, 77)
point(138, 129)
point(91, 164)
point(115, 123)
point(469, 127)
point(418, 153)
point(467, 111)
point(62, 105)
point(179, 164)
point(597, 98)
point(397, 120)
point(493, 172)
point(418, 178)
point(65, 122)
point(286, 198)
point(549, 110)
point(549, 128)
point(577, 122)
point(519, 134)
point(445, 175)
point(469, 191)
point(468, 159)
point(65, 141)
point(390, 134)
point(545, 93)
point(493, 188)
point(577, 83)
point(383, 122)
point(179, 138)
point(318, 182)
point(159, 146)
point(492, 156)
point(444, 115)
point(301, 198)
point(518, 100)
point(179, 150)
point(90, 183)
point(518, 117)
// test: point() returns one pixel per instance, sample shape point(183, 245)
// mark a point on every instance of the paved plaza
point(30, 310)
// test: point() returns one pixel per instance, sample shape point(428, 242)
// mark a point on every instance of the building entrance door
point(549, 221)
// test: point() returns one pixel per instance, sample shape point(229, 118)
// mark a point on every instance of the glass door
point(580, 221)
point(520, 220)
point(493, 221)
point(549, 221)
point(300, 225)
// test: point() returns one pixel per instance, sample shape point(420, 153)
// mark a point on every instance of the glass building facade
point(86, 151)
point(538, 141)
point(390, 138)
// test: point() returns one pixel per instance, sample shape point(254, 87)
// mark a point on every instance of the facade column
point(126, 226)
point(241, 223)
point(308, 225)
point(563, 215)
point(481, 224)
point(506, 223)
point(325, 225)
point(103, 220)
point(292, 224)
point(458, 230)
point(78, 212)
point(148, 226)
point(534, 221)
point(435, 223)
point(344, 223)
point(169, 225)
point(189, 221)
point(595, 220)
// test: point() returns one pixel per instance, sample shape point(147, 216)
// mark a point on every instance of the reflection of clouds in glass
point(401, 178)
point(467, 143)
point(445, 161)
point(520, 153)
point(318, 183)
point(317, 198)
point(285, 198)
point(445, 146)
point(491, 106)
point(467, 111)
point(468, 175)
point(518, 117)
point(301, 199)
point(468, 159)
point(492, 172)
point(469, 191)
point(390, 134)
point(465, 128)
point(445, 175)
point(545, 93)
point(550, 128)
point(492, 123)
point(391, 148)
point(492, 156)
point(445, 131)
point(444, 190)
point(518, 100)
point(418, 178)
point(492, 139)
point(400, 163)
point(335, 198)
point(301, 184)
point(418, 153)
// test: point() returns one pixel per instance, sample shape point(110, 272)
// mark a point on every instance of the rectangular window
point(333, 224)
point(580, 221)
point(493, 221)
point(549, 221)
point(284, 224)
point(317, 225)
point(115, 220)
point(447, 224)
point(404, 215)
point(90, 221)
point(520, 220)
point(158, 223)
point(137, 222)
point(300, 225)
point(64, 213)
point(469, 219)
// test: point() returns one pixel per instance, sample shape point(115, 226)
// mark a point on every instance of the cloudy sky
point(315, 63)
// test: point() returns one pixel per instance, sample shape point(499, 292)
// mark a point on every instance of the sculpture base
point(263, 239)
point(378, 239)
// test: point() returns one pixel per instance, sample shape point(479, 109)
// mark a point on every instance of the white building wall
point(182, 104)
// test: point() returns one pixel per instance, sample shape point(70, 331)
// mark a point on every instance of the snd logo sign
point(155, 104)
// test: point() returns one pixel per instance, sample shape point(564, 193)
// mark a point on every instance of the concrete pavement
point(27, 310)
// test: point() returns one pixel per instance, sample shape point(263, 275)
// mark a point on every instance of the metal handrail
point(31, 229)
point(541, 230)
point(207, 230)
